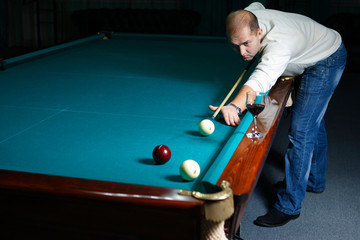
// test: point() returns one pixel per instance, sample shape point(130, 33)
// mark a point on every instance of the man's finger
point(213, 108)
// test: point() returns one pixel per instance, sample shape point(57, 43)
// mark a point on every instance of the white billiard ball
point(206, 127)
point(189, 170)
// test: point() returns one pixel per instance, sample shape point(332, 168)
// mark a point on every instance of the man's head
point(244, 33)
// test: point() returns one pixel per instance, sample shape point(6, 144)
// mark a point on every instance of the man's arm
point(229, 112)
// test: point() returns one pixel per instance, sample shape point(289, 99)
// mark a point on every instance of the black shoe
point(274, 218)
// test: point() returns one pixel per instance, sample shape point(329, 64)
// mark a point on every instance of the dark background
point(27, 25)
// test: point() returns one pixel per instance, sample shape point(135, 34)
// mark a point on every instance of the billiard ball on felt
point(161, 154)
point(189, 170)
point(206, 127)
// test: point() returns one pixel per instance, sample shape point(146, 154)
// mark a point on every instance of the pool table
point(79, 122)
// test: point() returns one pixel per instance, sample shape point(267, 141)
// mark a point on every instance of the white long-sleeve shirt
point(291, 43)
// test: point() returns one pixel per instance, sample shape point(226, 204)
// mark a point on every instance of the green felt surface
point(98, 108)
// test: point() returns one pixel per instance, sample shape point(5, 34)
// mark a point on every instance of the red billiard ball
point(161, 154)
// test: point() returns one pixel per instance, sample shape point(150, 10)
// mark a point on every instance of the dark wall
point(21, 20)
point(3, 23)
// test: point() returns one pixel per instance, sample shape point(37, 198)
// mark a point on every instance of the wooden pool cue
point(232, 89)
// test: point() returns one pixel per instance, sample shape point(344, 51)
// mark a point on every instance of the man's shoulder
point(255, 6)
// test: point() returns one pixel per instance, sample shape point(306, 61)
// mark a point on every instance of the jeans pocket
point(314, 79)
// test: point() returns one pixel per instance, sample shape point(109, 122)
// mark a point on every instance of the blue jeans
point(305, 159)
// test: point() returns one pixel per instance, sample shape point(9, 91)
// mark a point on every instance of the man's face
point(246, 43)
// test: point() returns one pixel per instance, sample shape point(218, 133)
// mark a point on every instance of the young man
point(290, 45)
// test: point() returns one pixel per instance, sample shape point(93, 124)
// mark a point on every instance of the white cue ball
point(206, 127)
point(189, 170)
